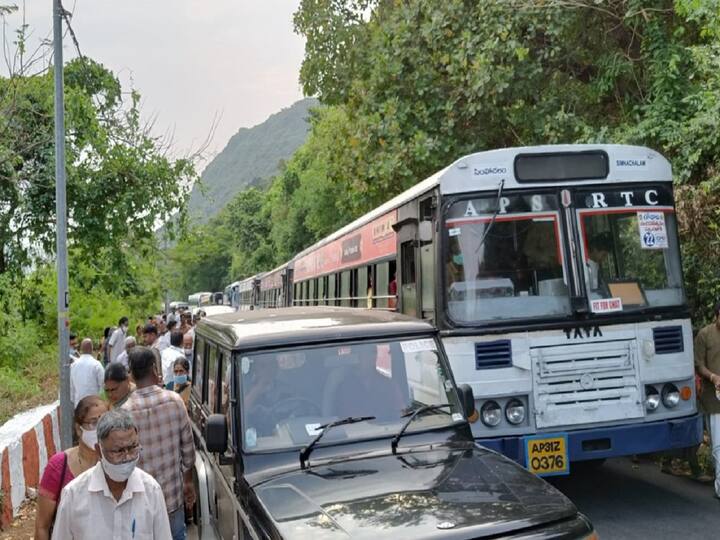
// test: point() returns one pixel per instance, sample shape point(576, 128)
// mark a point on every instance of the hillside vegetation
point(408, 87)
point(250, 159)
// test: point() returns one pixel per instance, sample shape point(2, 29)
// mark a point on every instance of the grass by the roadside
point(33, 384)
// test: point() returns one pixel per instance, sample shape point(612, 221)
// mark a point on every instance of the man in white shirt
point(117, 340)
point(86, 374)
point(164, 339)
point(169, 355)
point(122, 358)
point(114, 499)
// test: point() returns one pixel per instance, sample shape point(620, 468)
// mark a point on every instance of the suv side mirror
point(216, 433)
point(467, 400)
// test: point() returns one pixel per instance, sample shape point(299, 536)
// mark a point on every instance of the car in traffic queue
point(327, 422)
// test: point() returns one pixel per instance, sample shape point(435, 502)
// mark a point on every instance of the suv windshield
point(630, 252)
point(287, 395)
point(504, 258)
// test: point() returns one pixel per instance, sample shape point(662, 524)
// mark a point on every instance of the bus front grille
point(586, 383)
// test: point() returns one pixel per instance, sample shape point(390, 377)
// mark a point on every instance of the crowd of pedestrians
point(130, 474)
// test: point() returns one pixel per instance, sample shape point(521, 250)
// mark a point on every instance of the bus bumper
point(616, 441)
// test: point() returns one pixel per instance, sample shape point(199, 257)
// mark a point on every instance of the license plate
point(547, 455)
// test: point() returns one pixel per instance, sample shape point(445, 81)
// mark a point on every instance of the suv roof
point(299, 325)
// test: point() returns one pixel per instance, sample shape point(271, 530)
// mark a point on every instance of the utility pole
point(63, 321)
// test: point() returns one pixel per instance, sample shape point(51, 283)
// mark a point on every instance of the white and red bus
point(554, 276)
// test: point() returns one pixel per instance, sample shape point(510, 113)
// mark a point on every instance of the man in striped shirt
point(168, 452)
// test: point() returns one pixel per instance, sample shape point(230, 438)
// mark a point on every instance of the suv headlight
point(652, 398)
point(491, 414)
point(670, 395)
point(515, 412)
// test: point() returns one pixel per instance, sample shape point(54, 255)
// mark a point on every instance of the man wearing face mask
point(113, 499)
point(117, 340)
point(188, 348)
point(166, 436)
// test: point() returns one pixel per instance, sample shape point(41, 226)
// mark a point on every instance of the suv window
point(198, 366)
point(211, 378)
point(287, 394)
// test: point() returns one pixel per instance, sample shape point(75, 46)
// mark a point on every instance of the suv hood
point(458, 493)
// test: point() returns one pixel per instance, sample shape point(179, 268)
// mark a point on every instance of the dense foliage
point(120, 185)
point(409, 86)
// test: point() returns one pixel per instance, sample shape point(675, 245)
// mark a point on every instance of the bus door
point(408, 256)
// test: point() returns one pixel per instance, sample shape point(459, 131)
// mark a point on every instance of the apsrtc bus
point(200, 299)
point(554, 276)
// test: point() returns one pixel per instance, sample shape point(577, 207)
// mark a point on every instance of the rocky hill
point(250, 158)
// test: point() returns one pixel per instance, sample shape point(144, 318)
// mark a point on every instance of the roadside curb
point(27, 441)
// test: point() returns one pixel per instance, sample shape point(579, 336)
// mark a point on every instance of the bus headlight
point(491, 414)
point(652, 398)
point(670, 395)
point(515, 412)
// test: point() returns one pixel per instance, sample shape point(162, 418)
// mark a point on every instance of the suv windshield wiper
point(305, 452)
point(411, 416)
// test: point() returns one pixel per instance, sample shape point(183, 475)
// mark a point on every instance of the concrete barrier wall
point(27, 441)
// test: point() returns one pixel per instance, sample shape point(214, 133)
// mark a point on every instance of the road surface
point(627, 501)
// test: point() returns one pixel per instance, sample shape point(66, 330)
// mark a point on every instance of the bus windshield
point(631, 258)
point(505, 259)
point(287, 395)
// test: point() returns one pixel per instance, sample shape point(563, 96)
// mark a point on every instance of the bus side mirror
point(216, 434)
point(467, 400)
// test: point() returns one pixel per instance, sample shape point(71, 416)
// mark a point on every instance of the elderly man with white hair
point(122, 358)
point(113, 499)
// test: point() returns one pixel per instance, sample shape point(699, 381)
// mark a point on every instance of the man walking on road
point(86, 374)
point(113, 499)
point(122, 358)
point(117, 385)
point(117, 340)
point(166, 437)
point(169, 355)
point(707, 365)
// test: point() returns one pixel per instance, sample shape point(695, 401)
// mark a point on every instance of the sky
point(191, 60)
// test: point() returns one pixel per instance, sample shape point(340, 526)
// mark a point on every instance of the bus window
point(331, 289)
point(615, 260)
point(321, 290)
point(362, 288)
point(427, 277)
point(392, 285)
point(409, 287)
point(505, 267)
point(382, 277)
point(354, 287)
point(311, 294)
point(345, 288)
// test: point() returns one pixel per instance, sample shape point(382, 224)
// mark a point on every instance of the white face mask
point(89, 437)
point(119, 472)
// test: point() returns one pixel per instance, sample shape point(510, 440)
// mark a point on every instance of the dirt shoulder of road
point(23, 526)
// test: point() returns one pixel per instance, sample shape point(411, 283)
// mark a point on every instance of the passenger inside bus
point(600, 246)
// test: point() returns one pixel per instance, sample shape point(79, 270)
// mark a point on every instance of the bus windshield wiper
point(494, 217)
point(411, 415)
point(305, 452)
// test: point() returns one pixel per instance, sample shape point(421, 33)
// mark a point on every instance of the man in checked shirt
point(168, 452)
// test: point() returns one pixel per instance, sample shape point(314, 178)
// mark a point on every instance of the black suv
point(347, 423)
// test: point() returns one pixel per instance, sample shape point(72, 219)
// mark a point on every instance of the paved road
point(626, 501)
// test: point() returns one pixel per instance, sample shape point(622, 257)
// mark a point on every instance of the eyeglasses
point(130, 452)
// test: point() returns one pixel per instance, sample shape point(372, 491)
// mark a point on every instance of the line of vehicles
point(550, 281)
